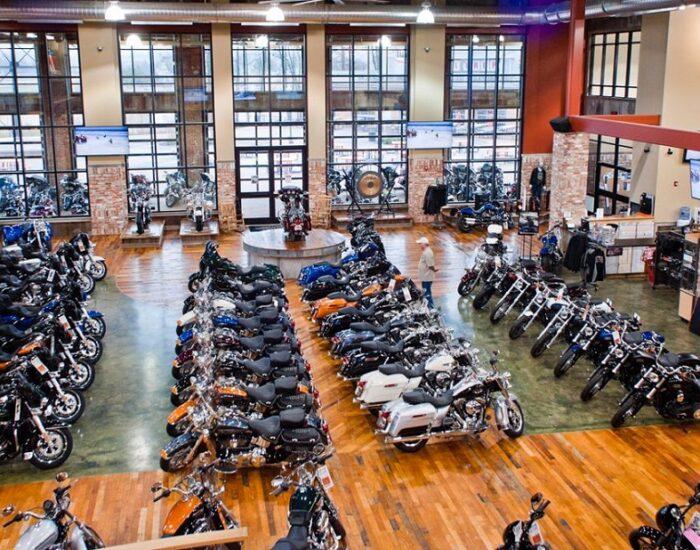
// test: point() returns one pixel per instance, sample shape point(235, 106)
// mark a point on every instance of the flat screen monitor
point(101, 140)
point(695, 179)
point(429, 135)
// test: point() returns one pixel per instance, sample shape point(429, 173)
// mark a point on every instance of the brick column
point(527, 164)
point(423, 170)
point(319, 201)
point(569, 176)
point(108, 210)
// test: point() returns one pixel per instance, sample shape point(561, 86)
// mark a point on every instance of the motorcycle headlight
point(652, 377)
point(619, 353)
point(588, 331)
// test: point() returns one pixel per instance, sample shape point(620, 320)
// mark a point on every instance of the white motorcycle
point(199, 208)
point(393, 379)
point(56, 528)
point(411, 421)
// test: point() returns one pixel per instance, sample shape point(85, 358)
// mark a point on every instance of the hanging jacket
point(578, 244)
point(435, 198)
point(594, 264)
point(538, 177)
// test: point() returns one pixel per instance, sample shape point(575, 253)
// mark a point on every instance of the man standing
point(426, 270)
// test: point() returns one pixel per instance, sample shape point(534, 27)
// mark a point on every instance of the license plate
point(50, 277)
point(39, 365)
point(616, 337)
point(470, 221)
point(324, 476)
point(406, 294)
point(536, 537)
point(81, 246)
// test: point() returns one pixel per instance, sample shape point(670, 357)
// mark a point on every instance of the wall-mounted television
point(689, 154)
point(429, 135)
point(695, 179)
point(101, 140)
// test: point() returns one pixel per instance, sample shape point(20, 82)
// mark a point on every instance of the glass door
point(260, 174)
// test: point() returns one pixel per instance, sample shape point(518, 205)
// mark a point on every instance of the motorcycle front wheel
point(95, 326)
point(139, 223)
point(91, 538)
point(98, 270)
point(499, 312)
point(87, 283)
point(629, 408)
point(69, 408)
point(81, 376)
point(645, 538)
point(516, 419)
point(543, 340)
point(465, 287)
point(518, 329)
point(91, 350)
point(53, 450)
point(598, 380)
point(481, 299)
point(411, 446)
point(176, 461)
point(566, 361)
point(463, 226)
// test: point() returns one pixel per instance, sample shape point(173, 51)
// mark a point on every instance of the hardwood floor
point(458, 494)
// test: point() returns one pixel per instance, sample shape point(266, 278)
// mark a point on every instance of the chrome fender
point(500, 408)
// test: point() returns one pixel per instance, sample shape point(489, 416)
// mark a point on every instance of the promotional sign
point(528, 223)
point(429, 135)
point(101, 140)
point(695, 179)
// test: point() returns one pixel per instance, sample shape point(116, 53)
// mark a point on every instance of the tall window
point(613, 64)
point(168, 107)
point(485, 103)
point(610, 165)
point(269, 90)
point(40, 104)
point(367, 80)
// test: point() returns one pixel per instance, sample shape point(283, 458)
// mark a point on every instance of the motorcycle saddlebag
point(230, 426)
point(301, 438)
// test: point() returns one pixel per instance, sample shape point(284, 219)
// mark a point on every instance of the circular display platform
point(269, 246)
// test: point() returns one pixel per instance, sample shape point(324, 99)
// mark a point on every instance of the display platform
point(190, 235)
point(150, 238)
point(270, 247)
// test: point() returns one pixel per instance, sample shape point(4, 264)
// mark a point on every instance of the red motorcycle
point(294, 219)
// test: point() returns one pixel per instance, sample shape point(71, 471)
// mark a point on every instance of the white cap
point(423, 240)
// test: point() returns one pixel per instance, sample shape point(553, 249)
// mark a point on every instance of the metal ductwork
point(65, 11)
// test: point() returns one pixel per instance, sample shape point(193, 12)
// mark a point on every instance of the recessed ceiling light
point(425, 16)
point(114, 12)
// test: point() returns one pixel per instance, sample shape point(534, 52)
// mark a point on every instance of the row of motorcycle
point(41, 200)
point(591, 328)
point(244, 396)
point(50, 343)
point(422, 382)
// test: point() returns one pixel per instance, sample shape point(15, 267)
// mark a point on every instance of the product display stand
point(384, 204)
point(437, 222)
point(152, 237)
point(529, 246)
point(190, 235)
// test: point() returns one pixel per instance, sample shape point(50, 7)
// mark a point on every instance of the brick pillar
point(193, 140)
point(108, 207)
point(527, 164)
point(569, 176)
point(319, 201)
point(422, 171)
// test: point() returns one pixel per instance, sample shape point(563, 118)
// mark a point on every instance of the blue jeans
point(428, 292)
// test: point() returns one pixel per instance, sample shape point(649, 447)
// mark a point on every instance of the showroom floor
point(422, 498)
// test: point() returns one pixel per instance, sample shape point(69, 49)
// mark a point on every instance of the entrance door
point(260, 173)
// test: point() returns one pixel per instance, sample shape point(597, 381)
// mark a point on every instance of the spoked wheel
point(95, 326)
point(87, 283)
point(499, 312)
point(566, 361)
point(69, 407)
point(481, 299)
point(52, 449)
point(176, 461)
point(98, 270)
point(598, 380)
point(516, 418)
point(629, 407)
point(91, 350)
point(465, 288)
point(518, 329)
point(543, 340)
point(81, 375)
point(645, 538)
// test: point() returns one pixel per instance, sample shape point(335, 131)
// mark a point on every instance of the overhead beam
point(641, 128)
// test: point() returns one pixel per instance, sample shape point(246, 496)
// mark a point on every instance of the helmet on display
point(667, 516)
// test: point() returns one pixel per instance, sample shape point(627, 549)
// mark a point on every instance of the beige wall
point(223, 90)
point(316, 91)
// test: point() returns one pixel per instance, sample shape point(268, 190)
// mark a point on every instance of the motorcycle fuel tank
point(40, 536)
point(443, 362)
point(178, 515)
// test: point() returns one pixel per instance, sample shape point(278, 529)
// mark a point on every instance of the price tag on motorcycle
point(51, 276)
point(535, 534)
point(470, 221)
point(81, 246)
point(39, 365)
point(64, 322)
point(392, 285)
point(497, 261)
point(692, 532)
point(63, 262)
point(616, 337)
point(324, 476)
point(406, 294)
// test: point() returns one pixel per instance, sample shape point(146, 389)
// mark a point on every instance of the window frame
point(604, 48)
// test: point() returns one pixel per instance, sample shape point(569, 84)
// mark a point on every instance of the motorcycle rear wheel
point(139, 223)
point(411, 447)
point(47, 455)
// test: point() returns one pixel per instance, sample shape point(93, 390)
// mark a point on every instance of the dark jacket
point(435, 198)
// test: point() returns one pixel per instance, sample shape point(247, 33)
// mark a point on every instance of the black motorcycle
point(140, 201)
point(74, 198)
point(313, 518)
point(671, 532)
point(525, 535)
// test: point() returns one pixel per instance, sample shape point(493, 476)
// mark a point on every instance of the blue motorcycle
point(551, 255)
point(310, 273)
point(489, 213)
point(35, 234)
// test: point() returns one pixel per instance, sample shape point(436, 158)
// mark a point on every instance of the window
point(485, 103)
point(40, 175)
point(168, 107)
point(613, 63)
point(612, 158)
point(367, 81)
point(269, 90)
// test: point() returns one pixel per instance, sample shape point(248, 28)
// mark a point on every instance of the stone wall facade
point(319, 201)
point(108, 206)
point(527, 164)
point(226, 183)
point(422, 172)
point(569, 176)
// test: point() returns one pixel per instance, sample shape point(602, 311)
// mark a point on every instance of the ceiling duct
point(43, 10)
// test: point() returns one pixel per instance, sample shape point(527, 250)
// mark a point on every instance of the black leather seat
point(263, 300)
point(286, 385)
point(383, 347)
point(399, 368)
point(268, 315)
point(528, 263)
point(362, 326)
point(301, 437)
point(272, 337)
point(262, 394)
point(296, 539)
point(5, 357)
point(251, 323)
point(269, 428)
point(633, 338)
point(552, 278)
point(256, 343)
point(669, 360)
point(11, 331)
point(416, 397)
point(280, 359)
point(261, 367)
point(292, 418)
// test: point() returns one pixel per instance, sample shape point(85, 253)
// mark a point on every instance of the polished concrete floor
point(122, 429)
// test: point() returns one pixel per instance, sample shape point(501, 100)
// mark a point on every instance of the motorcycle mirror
point(536, 498)
point(61, 477)
point(8, 510)
point(157, 486)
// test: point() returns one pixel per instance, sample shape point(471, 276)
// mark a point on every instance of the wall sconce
point(647, 147)
point(669, 151)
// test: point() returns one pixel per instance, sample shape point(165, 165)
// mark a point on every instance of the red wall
point(545, 82)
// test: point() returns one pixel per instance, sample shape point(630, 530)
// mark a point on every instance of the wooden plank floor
point(451, 495)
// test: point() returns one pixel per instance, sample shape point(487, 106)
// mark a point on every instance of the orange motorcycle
point(200, 508)
point(326, 306)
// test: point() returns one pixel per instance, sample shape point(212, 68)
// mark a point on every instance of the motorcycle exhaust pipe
point(412, 438)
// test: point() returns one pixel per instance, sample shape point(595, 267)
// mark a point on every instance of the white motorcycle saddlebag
point(380, 388)
point(223, 304)
point(406, 417)
point(187, 318)
point(40, 536)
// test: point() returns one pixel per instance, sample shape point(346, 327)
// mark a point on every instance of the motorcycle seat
point(264, 300)
point(261, 367)
point(383, 347)
point(262, 394)
point(528, 263)
point(11, 331)
point(5, 357)
point(255, 343)
point(280, 358)
point(362, 326)
point(286, 385)
point(292, 418)
point(669, 360)
point(399, 368)
point(596, 301)
point(416, 397)
point(269, 427)
point(633, 338)
point(551, 278)
point(301, 436)
point(268, 315)
point(296, 539)
point(275, 336)
point(297, 400)
point(251, 323)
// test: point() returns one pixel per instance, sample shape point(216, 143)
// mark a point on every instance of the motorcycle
point(175, 188)
point(74, 197)
point(460, 182)
point(488, 257)
point(95, 265)
point(471, 218)
point(41, 197)
point(313, 518)
point(551, 256)
point(671, 531)
point(34, 236)
point(11, 200)
point(295, 222)
point(410, 422)
point(140, 201)
point(56, 527)
point(525, 535)
point(199, 208)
